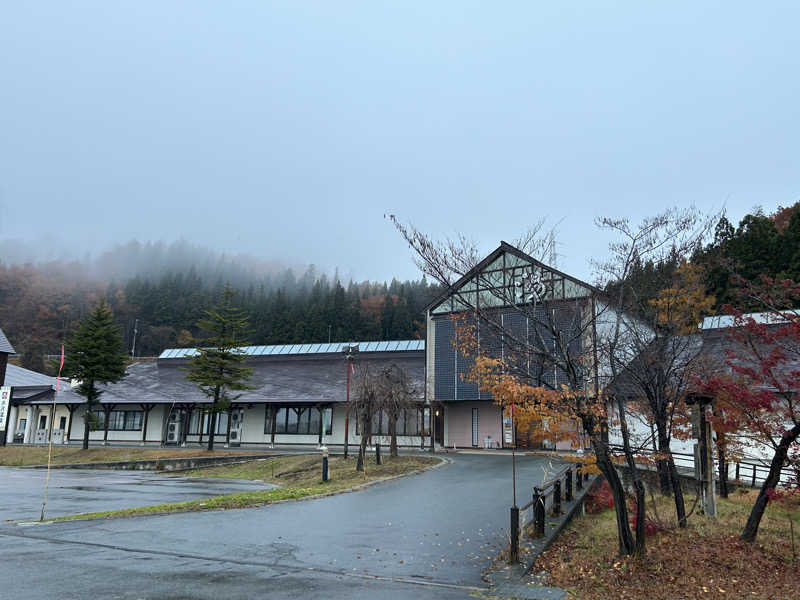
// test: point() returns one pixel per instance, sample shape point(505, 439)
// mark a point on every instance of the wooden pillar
point(187, 419)
point(274, 409)
point(107, 408)
point(321, 422)
point(71, 408)
point(52, 417)
point(146, 408)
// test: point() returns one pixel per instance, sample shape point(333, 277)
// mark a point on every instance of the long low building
point(298, 395)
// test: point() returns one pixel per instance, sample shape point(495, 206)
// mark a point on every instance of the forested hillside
point(175, 283)
point(39, 305)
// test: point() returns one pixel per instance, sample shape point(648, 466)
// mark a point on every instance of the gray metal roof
point(5, 345)
point(315, 380)
point(19, 377)
point(300, 349)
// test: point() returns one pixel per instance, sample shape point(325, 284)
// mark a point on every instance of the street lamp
point(350, 353)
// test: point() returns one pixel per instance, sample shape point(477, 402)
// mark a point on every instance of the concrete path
point(430, 536)
point(78, 491)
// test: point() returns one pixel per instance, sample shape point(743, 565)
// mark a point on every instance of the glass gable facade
point(511, 280)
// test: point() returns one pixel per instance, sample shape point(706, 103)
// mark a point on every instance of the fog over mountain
point(152, 259)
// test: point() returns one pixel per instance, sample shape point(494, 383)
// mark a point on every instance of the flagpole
point(50, 444)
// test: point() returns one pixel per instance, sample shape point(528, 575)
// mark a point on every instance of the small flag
point(60, 366)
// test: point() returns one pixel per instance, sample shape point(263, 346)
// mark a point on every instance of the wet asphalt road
point(428, 536)
point(73, 491)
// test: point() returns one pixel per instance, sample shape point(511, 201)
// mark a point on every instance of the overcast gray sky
point(287, 130)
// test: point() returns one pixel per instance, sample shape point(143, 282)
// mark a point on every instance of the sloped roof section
point(5, 345)
point(19, 377)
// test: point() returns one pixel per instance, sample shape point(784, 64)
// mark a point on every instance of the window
point(119, 420)
point(408, 423)
point(198, 424)
point(298, 420)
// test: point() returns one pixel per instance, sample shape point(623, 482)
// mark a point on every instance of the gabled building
point(523, 311)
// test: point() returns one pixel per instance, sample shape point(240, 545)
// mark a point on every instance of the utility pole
point(135, 333)
point(350, 353)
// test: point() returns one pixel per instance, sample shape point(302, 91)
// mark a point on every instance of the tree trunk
point(212, 425)
point(86, 430)
point(362, 448)
point(638, 486)
point(609, 471)
point(723, 467)
point(774, 476)
point(677, 490)
point(664, 477)
point(393, 435)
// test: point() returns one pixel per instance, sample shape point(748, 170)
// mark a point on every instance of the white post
point(11, 424)
point(28, 424)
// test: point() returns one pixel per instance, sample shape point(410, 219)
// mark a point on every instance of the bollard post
point(514, 550)
point(324, 464)
point(377, 453)
point(557, 497)
point(568, 486)
point(538, 512)
point(578, 478)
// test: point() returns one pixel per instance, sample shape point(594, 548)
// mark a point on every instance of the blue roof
point(301, 349)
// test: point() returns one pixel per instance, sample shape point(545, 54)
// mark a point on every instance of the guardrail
point(744, 472)
point(561, 485)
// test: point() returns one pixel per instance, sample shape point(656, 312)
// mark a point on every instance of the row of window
point(410, 421)
point(118, 420)
point(299, 420)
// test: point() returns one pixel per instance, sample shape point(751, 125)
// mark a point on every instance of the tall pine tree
point(94, 355)
point(218, 368)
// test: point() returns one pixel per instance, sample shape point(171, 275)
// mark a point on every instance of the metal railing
point(561, 486)
point(741, 472)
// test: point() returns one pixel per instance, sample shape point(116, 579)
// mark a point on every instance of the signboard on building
point(5, 402)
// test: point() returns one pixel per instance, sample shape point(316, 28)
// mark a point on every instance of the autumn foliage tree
point(758, 389)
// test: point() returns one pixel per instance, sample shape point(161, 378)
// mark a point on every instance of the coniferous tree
point(94, 355)
point(218, 368)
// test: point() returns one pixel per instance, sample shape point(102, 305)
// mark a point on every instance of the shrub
point(599, 498)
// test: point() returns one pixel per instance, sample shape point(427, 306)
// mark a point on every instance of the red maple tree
point(760, 385)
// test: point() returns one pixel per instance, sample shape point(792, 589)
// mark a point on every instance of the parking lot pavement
point(430, 535)
point(75, 491)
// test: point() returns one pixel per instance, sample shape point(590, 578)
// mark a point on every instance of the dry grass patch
point(18, 456)
point(306, 469)
point(706, 560)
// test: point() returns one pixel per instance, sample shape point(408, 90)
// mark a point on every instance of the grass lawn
point(298, 476)
point(17, 456)
point(706, 560)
